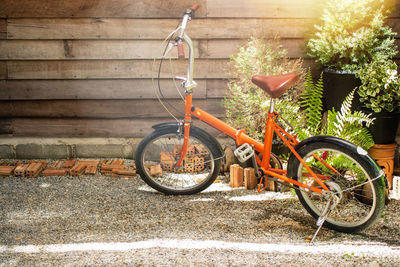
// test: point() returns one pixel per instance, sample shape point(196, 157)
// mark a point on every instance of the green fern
point(306, 120)
point(349, 125)
point(311, 103)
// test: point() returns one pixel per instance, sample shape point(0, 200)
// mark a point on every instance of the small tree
point(246, 106)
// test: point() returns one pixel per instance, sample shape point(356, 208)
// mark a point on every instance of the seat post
point(272, 106)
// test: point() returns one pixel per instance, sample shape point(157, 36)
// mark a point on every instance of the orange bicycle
point(337, 182)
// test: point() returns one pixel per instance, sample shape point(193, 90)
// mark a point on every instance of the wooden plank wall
point(84, 67)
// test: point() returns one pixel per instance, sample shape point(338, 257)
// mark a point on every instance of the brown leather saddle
point(275, 85)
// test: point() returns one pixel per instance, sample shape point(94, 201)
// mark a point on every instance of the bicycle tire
point(356, 210)
point(168, 182)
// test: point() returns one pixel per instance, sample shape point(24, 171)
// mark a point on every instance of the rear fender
point(377, 171)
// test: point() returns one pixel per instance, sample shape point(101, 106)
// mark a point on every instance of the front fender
point(165, 125)
point(175, 126)
point(364, 156)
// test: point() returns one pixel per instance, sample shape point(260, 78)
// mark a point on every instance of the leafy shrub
point(380, 89)
point(352, 34)
point(246, 105)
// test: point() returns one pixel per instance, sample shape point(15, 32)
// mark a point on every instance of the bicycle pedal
point(244, 152)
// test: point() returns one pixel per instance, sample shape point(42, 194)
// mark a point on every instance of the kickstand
point(320, 222)
point(321, 219)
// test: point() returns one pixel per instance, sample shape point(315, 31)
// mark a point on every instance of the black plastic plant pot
point(385, 127)
point(337, 86)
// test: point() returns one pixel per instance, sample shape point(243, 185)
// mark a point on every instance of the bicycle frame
point(240, 136)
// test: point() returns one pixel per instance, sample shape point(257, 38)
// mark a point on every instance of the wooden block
point(58, 172)
point(270, 185)
point(250, 180)
point(21, 169)
point(6, 170)
point(78, 169)
point(69, 164)
point(91, 169)
point(156, 170)
point(236, 175)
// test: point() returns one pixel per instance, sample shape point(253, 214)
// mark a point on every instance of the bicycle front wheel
point(352, 179)
point(157, 155)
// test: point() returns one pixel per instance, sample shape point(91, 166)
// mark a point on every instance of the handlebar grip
point(195, 7)
point(181, 51)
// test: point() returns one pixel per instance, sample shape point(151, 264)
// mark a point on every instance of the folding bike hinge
point(244, 152)
point(180, 131)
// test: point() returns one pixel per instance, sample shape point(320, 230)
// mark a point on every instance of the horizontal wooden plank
point(87, 49)
point(114, 69)
point(124, 49)
point(107, 28)
point(109, 109)
point(96, 8)
point(3, 70)
point(111, 69)
point(5, 126)
point(92, 89)
point(277, 9)
point(216, 88)
point(107, 88)
point(264, 8)
point(45, 127)
point(164, 9)
point(3, 29)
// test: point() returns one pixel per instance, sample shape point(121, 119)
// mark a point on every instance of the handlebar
point(195, 7)
point(188, 83)
point(181, 52)
point(187, 16)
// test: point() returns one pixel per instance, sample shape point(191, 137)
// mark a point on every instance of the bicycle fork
point(186, 129)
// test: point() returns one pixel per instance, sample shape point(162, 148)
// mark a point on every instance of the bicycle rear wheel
point(157, 155)
point(361, 196)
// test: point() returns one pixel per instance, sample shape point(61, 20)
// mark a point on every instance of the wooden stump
point(236, 173)
point(250, 180)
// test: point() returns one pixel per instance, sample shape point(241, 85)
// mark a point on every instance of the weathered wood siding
point(84, 67)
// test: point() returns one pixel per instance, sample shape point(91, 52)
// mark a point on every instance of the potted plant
point(380, 93)
point(352, 33)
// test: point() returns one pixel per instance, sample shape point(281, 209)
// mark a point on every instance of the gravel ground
point(103, 221)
